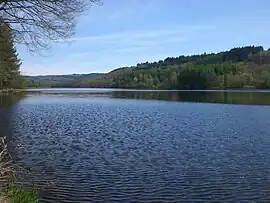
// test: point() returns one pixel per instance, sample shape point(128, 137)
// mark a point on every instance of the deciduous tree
point(37, 23)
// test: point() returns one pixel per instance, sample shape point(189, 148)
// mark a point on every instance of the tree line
point(241, 67)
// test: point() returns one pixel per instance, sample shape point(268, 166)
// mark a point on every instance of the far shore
point(141, 90)
point(11, 90)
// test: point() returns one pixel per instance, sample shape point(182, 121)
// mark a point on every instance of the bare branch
point(38, 23)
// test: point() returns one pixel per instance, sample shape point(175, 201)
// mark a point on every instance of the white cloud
point(82, 54)
point(34, 69)
point(175, 33)
point(112, 13)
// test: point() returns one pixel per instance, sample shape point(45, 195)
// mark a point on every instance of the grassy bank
point(21, 195)
point(9, 191)
point(16, 194)
point(11, 90)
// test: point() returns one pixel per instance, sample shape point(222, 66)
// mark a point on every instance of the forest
point(241, 67)
point(10, 77)
point(54, 80)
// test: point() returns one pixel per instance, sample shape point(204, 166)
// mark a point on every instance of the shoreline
point(11, 90)
point(142, 90)
point(5, 200)
point(10, 191)
point(6, 171)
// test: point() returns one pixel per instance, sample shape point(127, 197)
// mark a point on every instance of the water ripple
point(112, 150)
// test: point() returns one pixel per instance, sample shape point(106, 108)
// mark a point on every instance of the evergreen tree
point(9, 62)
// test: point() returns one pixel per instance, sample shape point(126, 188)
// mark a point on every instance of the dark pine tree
point(9, 62)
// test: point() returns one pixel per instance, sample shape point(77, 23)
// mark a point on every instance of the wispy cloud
point(112, 13)
point(163, 34)
point(135, 41)
point(36, 69)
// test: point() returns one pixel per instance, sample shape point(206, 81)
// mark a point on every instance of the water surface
point(144, 146)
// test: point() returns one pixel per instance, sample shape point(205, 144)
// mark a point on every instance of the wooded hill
point(57, 80)
point(242, 67)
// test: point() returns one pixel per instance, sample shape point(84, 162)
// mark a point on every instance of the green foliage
point(9, 62)
point(57, 80)
point(242, 67)
point(21, 195)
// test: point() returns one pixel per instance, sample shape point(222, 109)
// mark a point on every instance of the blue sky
point(126, 32)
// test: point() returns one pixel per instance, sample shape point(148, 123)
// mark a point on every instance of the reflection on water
point(259, 98)
point(7, 100)
point(6, 109)
point(105, 146)
point(222, 97)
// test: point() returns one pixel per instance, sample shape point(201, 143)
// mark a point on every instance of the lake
point(106, 145)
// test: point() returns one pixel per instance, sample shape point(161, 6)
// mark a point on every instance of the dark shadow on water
point(255, 97)
point(247, 98)
point(7, 100)
point(7, 105)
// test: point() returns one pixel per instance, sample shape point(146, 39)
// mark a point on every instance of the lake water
point(107, 145)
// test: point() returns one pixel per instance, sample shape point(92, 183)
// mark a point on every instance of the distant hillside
point(55, 80)
point(241, 67)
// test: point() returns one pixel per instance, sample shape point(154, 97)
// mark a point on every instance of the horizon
point(124, 34)
point(87, 73)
